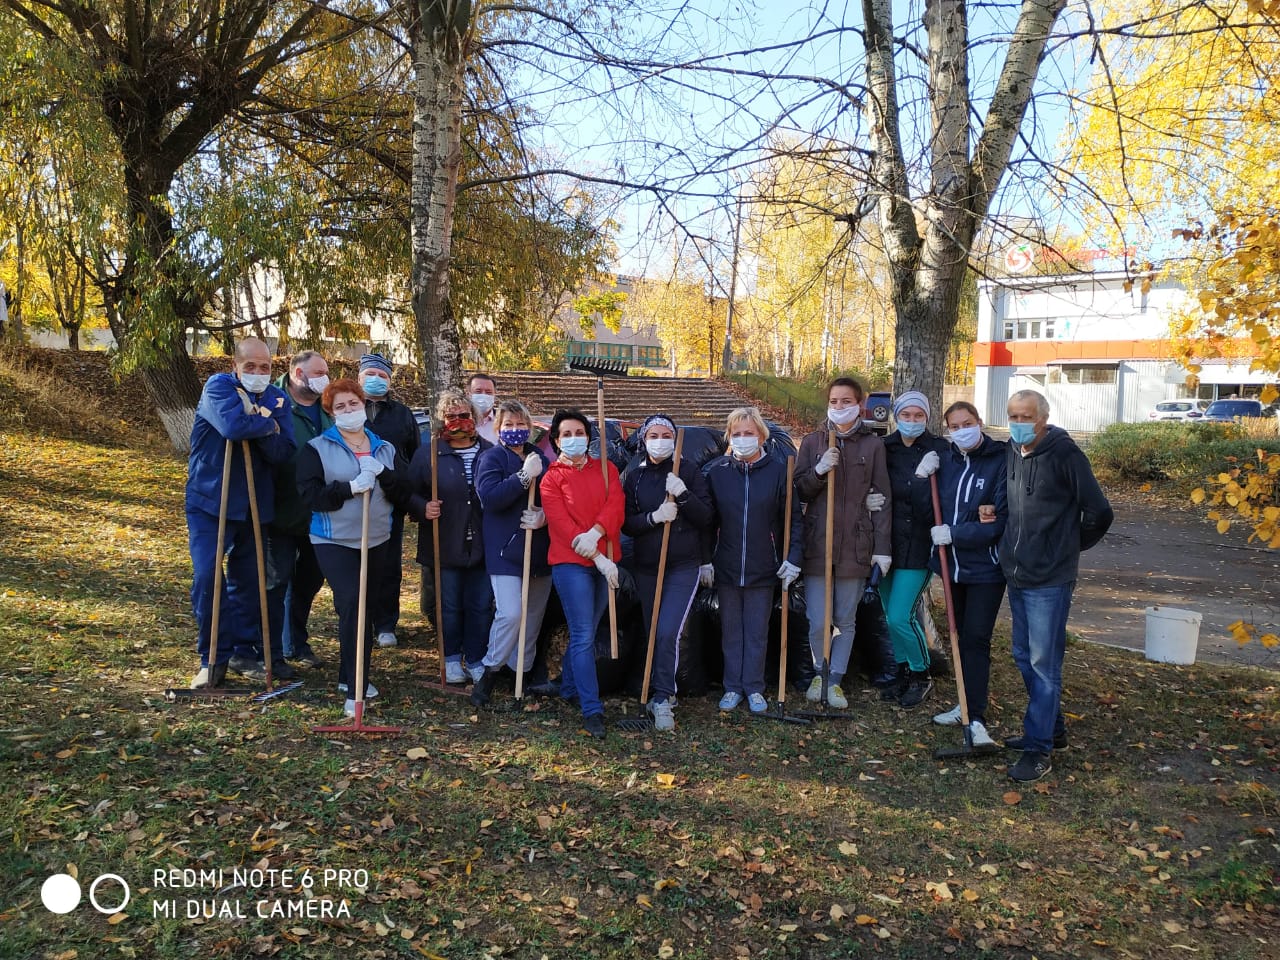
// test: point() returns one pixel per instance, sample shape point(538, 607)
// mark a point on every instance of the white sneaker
point(756, 703)
point(814, 693)
point(477, 672)
point(370, 691)
point(836, 697)
point(454, 672)
point(349, 708)
point(979, 733)
point(949, 719)
point(664, 717)
point(386, 639)
point(730, 700)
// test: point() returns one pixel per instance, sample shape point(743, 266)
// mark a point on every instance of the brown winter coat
point(858, 534)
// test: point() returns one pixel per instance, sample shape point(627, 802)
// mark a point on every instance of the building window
point(1083, 373)
point(1041, 329)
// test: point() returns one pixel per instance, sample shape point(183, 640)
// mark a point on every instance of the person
point(395, 423)
point(466, 599)
point(504, 476)
point(584, 520)
point(335, 471)
point(912, 454)
point(972, 489)
point(860, 535)
point(293, 574)
point(1056, 510)
point(748, 488)
point(483, 392)
point(658, 497)
point(237, 406)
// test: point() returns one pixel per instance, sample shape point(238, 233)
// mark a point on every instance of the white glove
point(533, 519)
point(928, 464)
point(665, 513)
point(706, 575)
point(675, 486)
point(827, 462)
point(584, 544)
point(608, 568)
point(941, 535)
point(788, 573)
point(875, 502)
point(362, 483)
point(882, 562)
point(532, 466)
point(372, 465)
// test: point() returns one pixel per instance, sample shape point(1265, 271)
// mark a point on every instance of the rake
point(440, 686)
point(517, 705)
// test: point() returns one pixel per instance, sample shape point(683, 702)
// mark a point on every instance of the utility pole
point(726, 359)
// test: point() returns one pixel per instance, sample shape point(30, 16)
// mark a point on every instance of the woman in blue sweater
point(972, 485)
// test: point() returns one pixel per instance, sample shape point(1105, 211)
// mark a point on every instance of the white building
point(1101, 354)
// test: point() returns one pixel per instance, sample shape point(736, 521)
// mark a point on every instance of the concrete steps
point(688, 400)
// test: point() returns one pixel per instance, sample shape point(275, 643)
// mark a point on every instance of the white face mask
point(660, 449)
point(317, 384)
point(966, 438)
point(255, 382)
point(744, 447)
point(843, 416)
point(350, 422)
point(483, 402)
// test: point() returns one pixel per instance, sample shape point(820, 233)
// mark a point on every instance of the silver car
point(1179, 410)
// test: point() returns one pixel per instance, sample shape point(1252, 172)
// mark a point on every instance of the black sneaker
point(894, 691)
point(1020, 743)
point(594, 725)
point(1031, 766)
point(919, 686)
point(280, 670)
point(250, 669)
point(482, 689)
point(307, 658)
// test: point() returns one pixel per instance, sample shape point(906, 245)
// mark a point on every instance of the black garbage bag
point(701, 661)
point(612, 675)
point(873, 655)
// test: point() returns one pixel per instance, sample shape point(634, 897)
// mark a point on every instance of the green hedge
point(1169, 451)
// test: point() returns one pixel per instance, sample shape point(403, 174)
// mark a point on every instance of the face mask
point(317, 384)
point(660, 449)
point(1022, 433)
point(744, 447)
point(911, 429)
point(514, 438)
point(483, 402)
point(966, 438)
point(573, 446)
point(375, 386)
point(350, 422)
point(459, 428)
point(255, 382)
point(843, 416)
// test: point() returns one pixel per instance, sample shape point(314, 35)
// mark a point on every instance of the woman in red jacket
point(584, 522)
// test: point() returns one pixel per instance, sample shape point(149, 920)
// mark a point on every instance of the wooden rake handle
point(662, 572)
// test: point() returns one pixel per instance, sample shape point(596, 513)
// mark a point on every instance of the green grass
point(517, 835)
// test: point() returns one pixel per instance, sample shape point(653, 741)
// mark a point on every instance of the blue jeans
point(1039, 644)
point(239, 619)
point(584, 595)
point(466, 604)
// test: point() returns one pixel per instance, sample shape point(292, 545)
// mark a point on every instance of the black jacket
point(912, 499)
point(750, 503)
point(394, 423)
point(461, 518)
point(1056, 510)
point(965, 482)
point(645, 488)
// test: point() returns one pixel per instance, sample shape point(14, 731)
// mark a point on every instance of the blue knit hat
point(375, 361)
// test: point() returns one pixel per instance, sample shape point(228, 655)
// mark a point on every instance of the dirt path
point(1157, 555)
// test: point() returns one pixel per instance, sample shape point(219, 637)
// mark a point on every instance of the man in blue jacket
point(234, 407)
point(1056, 510)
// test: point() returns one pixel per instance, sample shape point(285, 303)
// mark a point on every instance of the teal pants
point(900, 592)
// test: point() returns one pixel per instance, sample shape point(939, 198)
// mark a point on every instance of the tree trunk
point(437, 155)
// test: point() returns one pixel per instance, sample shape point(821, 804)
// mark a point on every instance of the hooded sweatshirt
point(1056, 510)
point(967, 481)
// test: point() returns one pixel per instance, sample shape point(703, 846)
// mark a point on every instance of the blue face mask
point(911, 429)
point(375, 386)
point(516, 437)
point(573, 446)
point(1022, 433)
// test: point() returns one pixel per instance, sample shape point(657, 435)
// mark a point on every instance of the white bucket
point(1172, 634)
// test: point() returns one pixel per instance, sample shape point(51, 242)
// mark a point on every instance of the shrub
point(1141, 452)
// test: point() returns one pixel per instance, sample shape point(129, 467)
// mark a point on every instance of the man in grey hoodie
point(1056, 510)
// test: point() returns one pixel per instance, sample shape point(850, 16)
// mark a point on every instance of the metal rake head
point(601, 367)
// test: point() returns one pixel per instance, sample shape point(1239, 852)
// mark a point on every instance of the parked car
point(1225, 411)
point(876, 409)
point(1179, 410)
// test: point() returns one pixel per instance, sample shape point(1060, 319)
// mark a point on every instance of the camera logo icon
point(61, 893)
